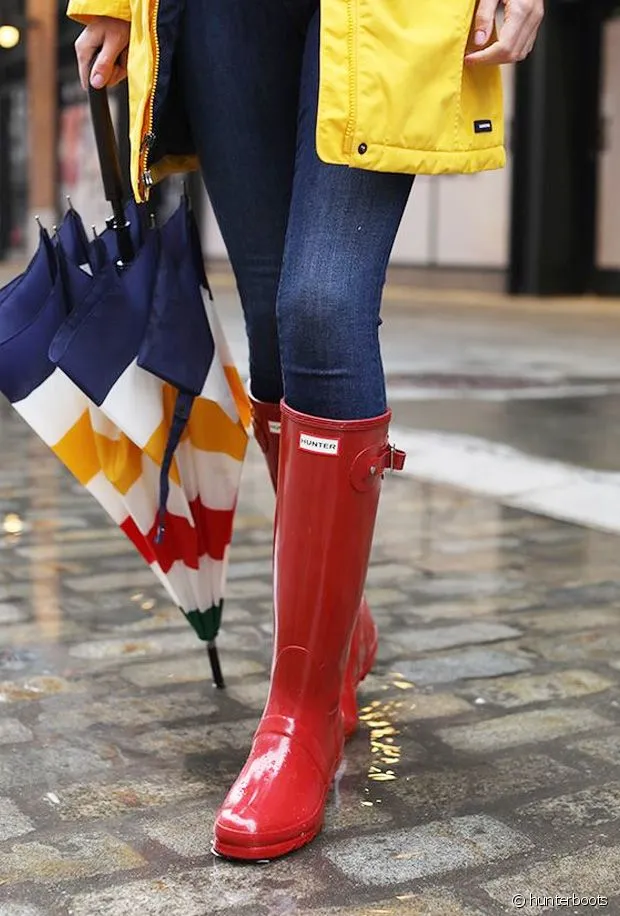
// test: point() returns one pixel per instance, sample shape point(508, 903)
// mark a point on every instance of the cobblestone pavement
point(487, 764)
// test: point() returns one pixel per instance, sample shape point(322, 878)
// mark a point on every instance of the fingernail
point(97, 81)
point(480, 37)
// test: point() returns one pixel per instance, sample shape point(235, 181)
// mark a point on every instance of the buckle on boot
point(369, 466)
point(397, 459)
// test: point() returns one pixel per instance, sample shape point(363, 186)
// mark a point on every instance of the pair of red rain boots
point(328, 491)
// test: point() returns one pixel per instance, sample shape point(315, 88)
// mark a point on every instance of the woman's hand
point(516, 37)
point(106, 41)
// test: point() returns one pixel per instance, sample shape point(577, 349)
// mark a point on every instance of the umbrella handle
point(216, 668)
point(109, 163)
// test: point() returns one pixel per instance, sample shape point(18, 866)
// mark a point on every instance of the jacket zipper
point(349, 133)
point(148, 138)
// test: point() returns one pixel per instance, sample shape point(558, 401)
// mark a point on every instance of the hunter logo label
point(275, 427)
point(321, 446)
point(483, 127)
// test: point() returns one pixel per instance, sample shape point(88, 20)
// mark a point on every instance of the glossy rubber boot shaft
point(266, 422)
point(324, 526)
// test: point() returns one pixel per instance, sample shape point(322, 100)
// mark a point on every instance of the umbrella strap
point(182, 411)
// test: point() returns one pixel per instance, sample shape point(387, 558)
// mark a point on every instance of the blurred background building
point(548, 224)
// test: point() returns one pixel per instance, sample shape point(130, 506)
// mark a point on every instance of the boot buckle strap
point(395, 458)
point(390, 459)
point(370, 465)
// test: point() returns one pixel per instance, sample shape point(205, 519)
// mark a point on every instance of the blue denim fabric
point(309, 242)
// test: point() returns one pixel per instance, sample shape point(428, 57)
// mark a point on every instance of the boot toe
point(275, 806)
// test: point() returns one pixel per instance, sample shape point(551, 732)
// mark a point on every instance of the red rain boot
point(365, 640)
point(328, 492)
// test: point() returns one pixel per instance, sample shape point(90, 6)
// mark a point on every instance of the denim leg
point(241, 65)
point(341, 229)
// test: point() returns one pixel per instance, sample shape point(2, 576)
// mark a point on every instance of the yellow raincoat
point(395, 95)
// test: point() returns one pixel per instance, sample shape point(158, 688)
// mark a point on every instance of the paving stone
point(127, 712)
point(581, 647)
point(188, 670)
point(248, 588)
point(520, 728)
point(153, 620)
point(252, 694)
point(215, 887)
point(43, 553)
point(445, 791)
point(348, 807)
point(385, 597)
point(478, 585)
point(380, 573)
point(19, 909)
point(253, 551)
point(428, 640)
point(471, 663)
point(417, 706)
point(606, 748)
point(12, 821)
point(250, 569)
point(539, 688)
point(428, 849)
point(590, 807)
point(10, 613)
point(62, 858)
point(590, 872)
point(13, 732)
point(188, 833)
point(112, 581)
point(462, 610)
point(429, 903)
point(91, 801)
point(561, 622)
point(45, 766)
point(169, 742)
point(160, 644)
point(33, 688)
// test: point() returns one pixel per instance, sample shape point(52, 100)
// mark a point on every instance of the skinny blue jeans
point(308, 242)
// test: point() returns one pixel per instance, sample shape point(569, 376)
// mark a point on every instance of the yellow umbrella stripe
point(239, 394)
point(77, 450)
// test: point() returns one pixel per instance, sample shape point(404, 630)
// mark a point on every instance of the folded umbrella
point(145, 347)
point(113, 353)
point(143, 343)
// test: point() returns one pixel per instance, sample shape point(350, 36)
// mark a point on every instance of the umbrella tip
point(94, 228)
point(152, 221)
point(69, 201)
point(38, 221)
point(54, 230)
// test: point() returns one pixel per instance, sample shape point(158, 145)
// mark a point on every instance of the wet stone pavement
point(487, 764)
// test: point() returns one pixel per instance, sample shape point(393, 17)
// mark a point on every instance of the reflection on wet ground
point(579, 430)
point(487, 763)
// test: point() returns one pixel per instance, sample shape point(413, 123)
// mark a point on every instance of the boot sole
point(264, 853)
